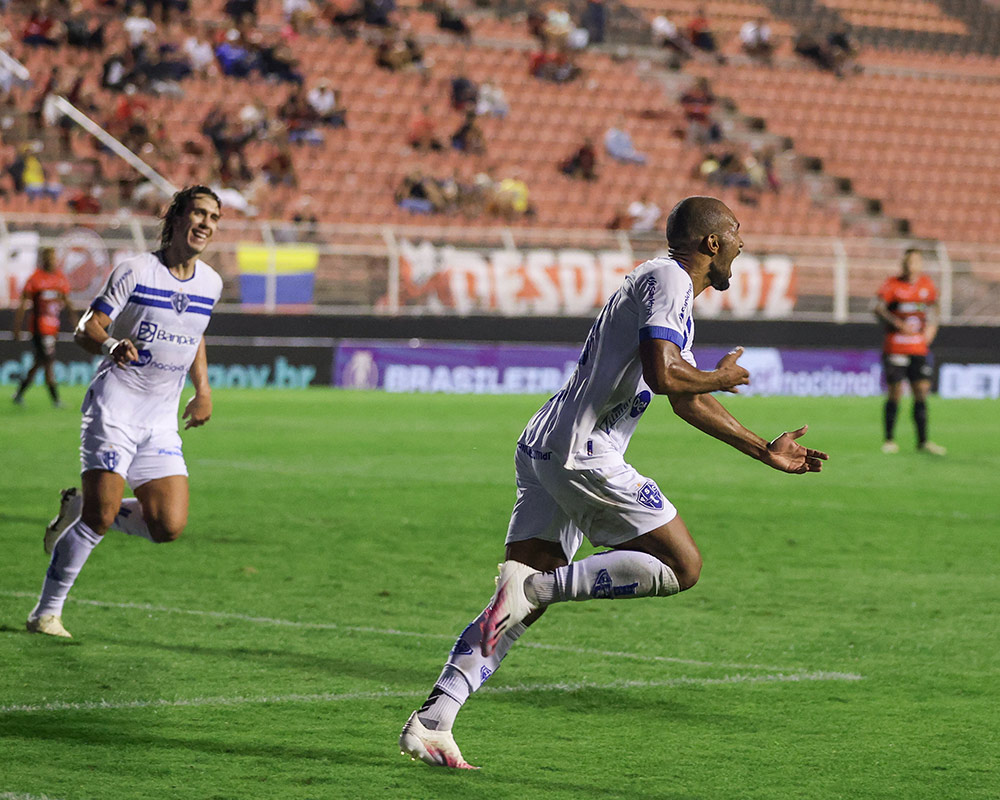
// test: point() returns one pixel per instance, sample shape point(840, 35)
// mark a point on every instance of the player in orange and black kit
point(47, 291)
point(907, 305)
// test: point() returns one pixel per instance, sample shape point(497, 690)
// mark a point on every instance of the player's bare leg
point(159, 512)
point(102, 495)
point(921, 389)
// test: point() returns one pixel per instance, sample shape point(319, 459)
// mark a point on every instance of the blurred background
point(438, 195)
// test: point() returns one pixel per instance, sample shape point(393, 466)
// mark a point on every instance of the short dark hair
point(179, 205)
point(694, 218)
point(910, 250)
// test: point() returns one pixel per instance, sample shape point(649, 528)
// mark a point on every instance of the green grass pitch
point(842, 642)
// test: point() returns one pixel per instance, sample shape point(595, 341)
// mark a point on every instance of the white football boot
point(933, 449)
point(890, 447)
point(50, 624)
point(70, 506)
point(436, 748)
point(509, 605)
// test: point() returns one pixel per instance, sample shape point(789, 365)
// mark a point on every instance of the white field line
point(239, 700)
point(16, 796)
point(333, 626)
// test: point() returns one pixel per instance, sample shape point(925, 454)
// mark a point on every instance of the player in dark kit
point(47, 292)
point(907, 306)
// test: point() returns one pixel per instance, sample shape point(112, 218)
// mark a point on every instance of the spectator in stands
point(755, 39)
point(553, 65)
point(379, 12)
point(299, 118)
point(298, 11)
point(667, 35)
point(619, 146)
point(535, 20)
point(595, 20)
point(276, 61)
point(698, 104)
point(85, 200)
point(326, 106)
point(42, 28)
point(469, 137)
point(115, 72)
point(644, 215)
point(449, 18)
point(491, 101)
point(843, 47)
point(395, 52)
point(557, 26)
point(235, 60)
point(511, 199)
point(422, 131)
point(279, 168)
point(241, 9)
point(33, 177)
point(700, 32)
point(84, 30)
point(345, 15)
point(138, 28)
point(420, 194)
point(200, 56)
point(464, 92)
point(582, 164)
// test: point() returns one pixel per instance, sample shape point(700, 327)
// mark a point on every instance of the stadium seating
point(912, 137)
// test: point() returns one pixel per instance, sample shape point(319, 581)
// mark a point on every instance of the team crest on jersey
point(179, 301)
point(461, 648)
point(110, 459)
point(602, 586)
point(484, 673)
point(649, 496)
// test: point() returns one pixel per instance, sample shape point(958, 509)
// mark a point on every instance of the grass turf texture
point(358, 514)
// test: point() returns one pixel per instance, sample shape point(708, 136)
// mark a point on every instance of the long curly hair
point(178, 207)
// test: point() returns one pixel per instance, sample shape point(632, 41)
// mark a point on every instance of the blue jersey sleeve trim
point(659, 332)
point(100, 305)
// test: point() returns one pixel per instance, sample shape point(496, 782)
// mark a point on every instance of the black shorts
point(45, 346)
point(899, 368)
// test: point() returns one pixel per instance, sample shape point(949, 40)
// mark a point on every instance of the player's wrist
point(109, 344)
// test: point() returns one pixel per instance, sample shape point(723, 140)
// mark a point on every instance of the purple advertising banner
point(541, 369)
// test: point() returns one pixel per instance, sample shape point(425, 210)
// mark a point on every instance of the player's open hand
point(787, 455)
point(730, 373)
point(198, 411)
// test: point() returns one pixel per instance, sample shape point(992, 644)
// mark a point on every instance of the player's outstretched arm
point(199, 408)
point(92, 335)
point(708, 415)
point(666, 372)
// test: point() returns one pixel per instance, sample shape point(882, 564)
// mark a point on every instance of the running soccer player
point(572, 477)
point(907, 307)
point(149, 323)
point(47, 292)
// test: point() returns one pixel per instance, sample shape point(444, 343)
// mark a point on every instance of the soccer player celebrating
point(149, 323)
point(47, 292)
point(907, 307)
point(572, 477)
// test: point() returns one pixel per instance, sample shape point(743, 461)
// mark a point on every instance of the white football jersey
point(165, 318)
point(589, 422)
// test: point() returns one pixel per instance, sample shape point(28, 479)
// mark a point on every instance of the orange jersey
point(908, 302)
point(46, 290)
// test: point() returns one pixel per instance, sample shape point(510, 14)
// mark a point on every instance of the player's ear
point(711, 243)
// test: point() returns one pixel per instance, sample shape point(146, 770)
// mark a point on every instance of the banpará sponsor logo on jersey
point(633, 408)
point(152, 332)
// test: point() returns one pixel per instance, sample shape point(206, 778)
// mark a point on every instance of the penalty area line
point(16, 796)
point(333, 626)
point(572, 686)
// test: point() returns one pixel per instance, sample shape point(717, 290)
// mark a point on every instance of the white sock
point(464, 672)
point(129, 519)
point(614, 574)
point(68, 558)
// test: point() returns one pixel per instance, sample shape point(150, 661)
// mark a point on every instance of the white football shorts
point(139, 455)
point(609, 505)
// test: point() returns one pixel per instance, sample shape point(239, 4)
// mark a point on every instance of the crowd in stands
point(159, 44)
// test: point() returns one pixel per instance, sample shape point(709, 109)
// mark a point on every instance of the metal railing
point(340, 269)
